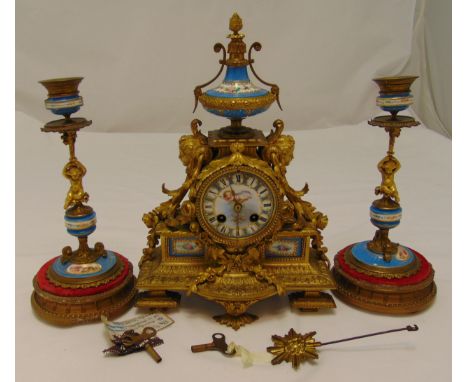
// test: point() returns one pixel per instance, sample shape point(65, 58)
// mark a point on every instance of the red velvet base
point(47, 286)
point(424, 272)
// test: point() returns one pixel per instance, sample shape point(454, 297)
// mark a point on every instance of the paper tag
point(155, 320)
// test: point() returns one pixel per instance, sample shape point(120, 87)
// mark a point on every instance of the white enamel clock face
point(238, 204)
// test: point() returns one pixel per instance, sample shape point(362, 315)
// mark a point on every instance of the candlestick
point(381, 275)
point(83, 284)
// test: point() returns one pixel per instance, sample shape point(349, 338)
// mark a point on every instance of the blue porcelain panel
point(393, 95)
point(66, 98)
point(382, 224)
point(236, 73)
point(185, 247)
point(81, 232)
point(284, 248)
point(403, 257)
point(64, 111)
point(64, 105)
point(79, 271)
point(81, 226)
point(386, 212)
point(385, 218)
point(237, 114)
point(84, 218)
point(394, 108)
point(236, 84)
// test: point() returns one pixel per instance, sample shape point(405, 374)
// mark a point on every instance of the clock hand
point(237, 222)
point(237, 209)
point(233, 193)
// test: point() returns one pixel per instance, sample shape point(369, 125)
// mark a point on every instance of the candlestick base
point(404, 285)
point(68, 294)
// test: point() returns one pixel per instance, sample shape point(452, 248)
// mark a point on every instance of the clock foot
point(161, 299)
point(235, 322)
point(311, 301)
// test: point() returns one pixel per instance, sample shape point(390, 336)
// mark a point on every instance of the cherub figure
point(388, 168)
point(74, 171)
point(239, 197)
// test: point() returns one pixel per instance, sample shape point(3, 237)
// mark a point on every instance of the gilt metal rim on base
point(66, 125)
point(391, 300)
point(388, 121)
point(111, 304)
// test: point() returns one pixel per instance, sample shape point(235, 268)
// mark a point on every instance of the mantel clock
point(235, 232)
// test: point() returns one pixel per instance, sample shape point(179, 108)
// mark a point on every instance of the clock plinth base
point(311, 301)
point(235, 322)
point(300, 272)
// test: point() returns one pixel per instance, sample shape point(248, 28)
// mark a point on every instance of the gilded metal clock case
point(235, 232)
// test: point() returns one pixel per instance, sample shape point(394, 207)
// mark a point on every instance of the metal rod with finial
point(296, 347)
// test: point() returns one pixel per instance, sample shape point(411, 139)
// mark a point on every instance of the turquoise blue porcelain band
point(385, 218)
point(237, 114)
point(81, 226)
point(106, 264)
point(236, 85)
point(394, 102)
point(64, 105)
point(363, 254)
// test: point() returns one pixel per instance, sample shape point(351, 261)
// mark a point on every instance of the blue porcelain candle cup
point(63, 95)
point(395, 93)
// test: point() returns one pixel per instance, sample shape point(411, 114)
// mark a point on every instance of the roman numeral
point(263, 219)
point(222, 229)
point(238, 178)
point(212, 219)
point(267, 205)
point(263, 191)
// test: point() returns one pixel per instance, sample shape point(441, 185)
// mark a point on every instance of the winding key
point(131, 341)
point(218, 343)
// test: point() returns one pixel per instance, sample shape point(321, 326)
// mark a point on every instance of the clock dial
point(238, 204)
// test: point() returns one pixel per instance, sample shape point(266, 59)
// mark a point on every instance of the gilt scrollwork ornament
point(176, 213)
point(222, 262)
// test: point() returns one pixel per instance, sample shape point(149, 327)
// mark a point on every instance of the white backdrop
point(142, 59)
point(125, 172)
